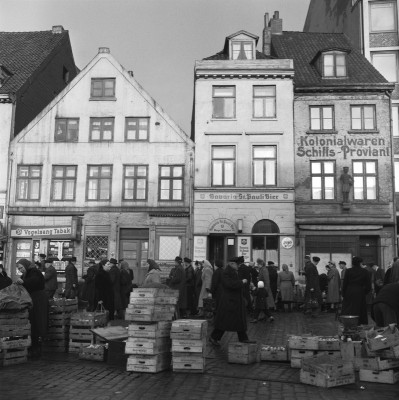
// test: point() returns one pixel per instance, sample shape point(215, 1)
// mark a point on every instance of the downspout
point(191, 204)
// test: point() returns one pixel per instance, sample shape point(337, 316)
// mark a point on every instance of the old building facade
point(244, 165)
point(101, 171)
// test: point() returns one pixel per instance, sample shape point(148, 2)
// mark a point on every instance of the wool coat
point(177, 281)
point(153, 276)
point(231, 313)
point(71, 281)
point(260, 295)
point(104, 291)
point(312, 282)
point(216, 285)
point(50, 277)
point(206, 278)
point(285, 283)
point(334, 284)
point(115, 276)
point(125, 287)
point(264, 277)
point(89, 288)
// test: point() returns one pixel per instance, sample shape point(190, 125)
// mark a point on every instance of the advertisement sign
point(222, 225)
point(46, 231)
point(287, 242)
point(247, 196)
point(244, 248)
point(199, 248)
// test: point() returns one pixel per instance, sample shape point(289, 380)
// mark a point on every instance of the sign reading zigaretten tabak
point(52, 231)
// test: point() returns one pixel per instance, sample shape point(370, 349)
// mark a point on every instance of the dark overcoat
point(312, 282)
point(89, 288)
point(71, 281)
point(115, 275)
point(177, 281)
point(356, 286)
point(216, 285)
point(260, 295)
point(104, 290)
point(231, 314)
point(126, 287)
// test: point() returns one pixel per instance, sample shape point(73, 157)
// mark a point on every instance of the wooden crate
point(14, 318)
point(377, 364)
point(351, 350)
point(147, 346)
point(188, 363)
point(325, 381)
point(189, 346)
point(81, 333)
point(149, 363)
point(92, 352)
point(148, 314)
point(150, 330)
point(390, 376)
point(383, 338)
point(273, 353)
point(329, 343)
point(55, 346)
point(153, 292)
point(146, 300)
point(75, 345)
point(303, 342)
point(296, 362)
point(193, 329)
point(7, 330)
point(13, 356)
point(332, 366)
point(295, 353)
point(15, 342)
point(63, 305)
point(242, 353)
point(392, 352)
point(62, 318)
point(330, 353)
point(91, 319)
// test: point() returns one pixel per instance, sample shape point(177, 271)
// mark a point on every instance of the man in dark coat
point(5, 280)
point(71, 279)
point(115, 275)
point(312, 290)
point(104, 291)
point(51, 281)
point(89, 292)
point(244, 272)
point(198, 281)
point(379, 276)
point(386, 305)
point(126, 283)
point(273, 275)
point(230, 314)
point(177, 281)
point(42, 263)
point(216, 285)
point(190, 286)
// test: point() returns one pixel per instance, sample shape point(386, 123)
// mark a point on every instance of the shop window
point(102, 88)
point(323, 180)
point(321, 118)
point(171, 182)
point(29, 178)
point(135, 181)
point(63, 184)
point(383, 16)
point(99, 182)
point(265, 241)
point(334, 64)
point(364, 180)
point(241, 50)
point(169, 247)
point(223, 102)
point(101, 129)
point(264, 165)
point(96, 247)
point(137, 129)
point(363, 118)
point(66, 130)
point(387, 64)
point(264, 101)
point(223, 165)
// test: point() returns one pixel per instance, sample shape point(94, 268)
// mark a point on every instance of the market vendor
point(386, 305)
point(33, 281)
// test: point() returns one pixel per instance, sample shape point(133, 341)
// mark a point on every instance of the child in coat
point(260, 294)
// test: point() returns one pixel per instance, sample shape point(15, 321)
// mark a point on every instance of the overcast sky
point(158, 39)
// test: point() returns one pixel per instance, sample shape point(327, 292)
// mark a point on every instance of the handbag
point(312, 302)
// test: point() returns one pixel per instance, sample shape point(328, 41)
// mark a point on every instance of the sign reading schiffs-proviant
point(246, 196)
point(46, 231)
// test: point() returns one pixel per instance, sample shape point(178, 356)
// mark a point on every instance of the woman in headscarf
point(206, 277)
point(153, 275)
point(33, 281)
point(356, 285)
point(285, 285)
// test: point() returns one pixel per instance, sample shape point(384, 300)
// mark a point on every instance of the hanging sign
point(244, 247)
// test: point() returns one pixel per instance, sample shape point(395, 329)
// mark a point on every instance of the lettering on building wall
point(348, 147)
point(34, 232)
point(258, 196)
point(222, 225)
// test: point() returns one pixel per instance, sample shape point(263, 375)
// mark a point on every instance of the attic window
point(334, 64)
point(241, 50)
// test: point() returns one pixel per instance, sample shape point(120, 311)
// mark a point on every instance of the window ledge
point(264, 119)
point(363, 131)
point(223, 119)
point(102, 99)
point(322, 132)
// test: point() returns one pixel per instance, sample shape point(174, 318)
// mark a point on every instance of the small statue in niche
point(347, 182)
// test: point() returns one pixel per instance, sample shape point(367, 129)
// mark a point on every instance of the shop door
point(368, 249)
point(135, 252)
point(221, 248)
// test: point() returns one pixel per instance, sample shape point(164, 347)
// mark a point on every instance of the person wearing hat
point(115, 276)
point(51, 281)
point(42, 263)
point(71, 279)
point(5, 280)
point(273, 276)
point(312, 290)
point(198, 281)
point(177, 281)
point(33, 281)
point(231, 314)
point(216, 284)
point(386, 305)
point(356, 286)
point(153, 276)
point(190, 286)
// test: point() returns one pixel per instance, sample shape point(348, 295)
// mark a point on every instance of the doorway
point(221, 248)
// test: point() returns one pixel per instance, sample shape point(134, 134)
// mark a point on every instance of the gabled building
point(101, 171)
point(244, 163)
point(344, 202)
point(34, 68)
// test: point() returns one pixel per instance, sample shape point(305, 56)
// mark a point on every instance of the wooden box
point(377, 364)
point(81, 333)
point(273, 353)
point(392, 352)
point(296, 362)
point(62, 318)
point(296, 357)
point(331, 353)
point(303, 342)
point(383, 338)
point(149, 313)
point(332, 366)
point(189, 329)
point(93, 352)
point(390, 376)
point(188, 363)
point(74, 345)
point(189, 346)
point(90, 319)
point(147, 346)
point(152, 293)
point(63, 305)
point(14, 318)
point(325, 381)
point(14, 342)
point(242, 353)
point(351, 350)
point(329, 343)
point(13, 356)
point(150, 330)
point(7, 330)
point(149, 363)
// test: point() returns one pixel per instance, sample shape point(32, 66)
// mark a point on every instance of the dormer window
point(242, 50)
point(334, 64)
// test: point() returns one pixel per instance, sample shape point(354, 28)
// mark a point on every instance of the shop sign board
point(222, 225)
point(259, 196)
point(199, 248)
point(244, 247)
point(43, 231)
point(287, 242)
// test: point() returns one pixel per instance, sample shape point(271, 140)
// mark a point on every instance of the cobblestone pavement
point(63, 376)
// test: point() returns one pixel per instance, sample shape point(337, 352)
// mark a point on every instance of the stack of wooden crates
point(15, 338)
point(150, 311)
point(60, 311)
point(189, 345)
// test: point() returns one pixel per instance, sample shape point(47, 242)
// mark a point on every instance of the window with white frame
point(364, 180)
point(363, 117)
point(99, 182)
point(264, 101)
point(137, 128)
point(135, 182)
point(223, 102)
point(66, 130)
point(387, 64)
point(383, 16)
point(334, 64)
point(264, 165)
point(223, 165)
point(102, 88)
point(101, 129)
point(171, 179)
point(323, 180)
point(242, 50)
point(29, 179)
point(321, 118)
point(63, 183)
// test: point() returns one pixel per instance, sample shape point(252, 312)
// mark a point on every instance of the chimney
point(267, 36)
point(103, 50)
point(130, 73)
point(57, 29)
point(276, 24)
